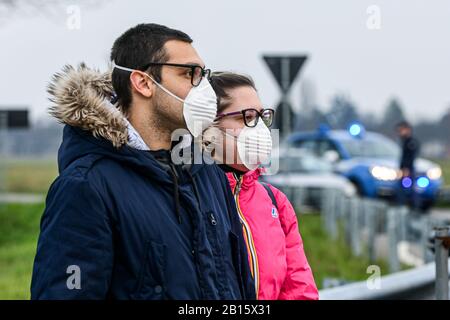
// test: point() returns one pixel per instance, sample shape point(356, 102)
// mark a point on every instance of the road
point(21, 198)
point(440, 213)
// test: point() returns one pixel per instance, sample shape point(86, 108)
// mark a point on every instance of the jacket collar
point(247, 180)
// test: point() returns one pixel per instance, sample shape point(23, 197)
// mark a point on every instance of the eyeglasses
point(197, 73)
point(251, 116)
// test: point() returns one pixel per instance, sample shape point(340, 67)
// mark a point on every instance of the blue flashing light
point(355, 129)
point(423, 182)
point(406, 182)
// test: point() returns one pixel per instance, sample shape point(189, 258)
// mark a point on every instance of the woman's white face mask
point(253, 145)
point(199, 106)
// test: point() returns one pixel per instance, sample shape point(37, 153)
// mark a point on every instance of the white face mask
point(199, 106)
point(254, 145)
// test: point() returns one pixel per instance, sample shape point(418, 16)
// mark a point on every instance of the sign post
point(284, 69)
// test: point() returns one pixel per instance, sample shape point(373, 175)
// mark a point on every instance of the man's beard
point(168, 112)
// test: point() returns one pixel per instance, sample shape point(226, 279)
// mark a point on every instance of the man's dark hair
point(137, 47)
point(222, 82)
point(403, 124)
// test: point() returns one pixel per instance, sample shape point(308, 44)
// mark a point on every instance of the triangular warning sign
point(285, 69)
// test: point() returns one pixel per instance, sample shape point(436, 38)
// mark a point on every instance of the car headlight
point(434, 173)
point(384, 173)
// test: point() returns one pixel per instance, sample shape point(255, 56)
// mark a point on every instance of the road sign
point(283, 111)
point(284, 69)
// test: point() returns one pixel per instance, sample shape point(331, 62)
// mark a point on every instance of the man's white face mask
point(199, 106)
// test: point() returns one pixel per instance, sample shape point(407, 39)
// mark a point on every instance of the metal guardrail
point(417, 283)
point(363, 220)
point(441, 251)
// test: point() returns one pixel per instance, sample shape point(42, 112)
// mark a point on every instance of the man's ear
point(141, 84)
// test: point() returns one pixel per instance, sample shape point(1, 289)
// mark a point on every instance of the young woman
point(242, 140)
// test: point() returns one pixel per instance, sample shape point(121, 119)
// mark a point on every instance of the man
point(410, 151)
point(410, 148)
point(122, 220)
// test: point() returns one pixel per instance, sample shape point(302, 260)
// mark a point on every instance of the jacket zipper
point(213, 219)
point(247, 235)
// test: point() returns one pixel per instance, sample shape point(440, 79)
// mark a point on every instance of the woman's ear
point(141, 84)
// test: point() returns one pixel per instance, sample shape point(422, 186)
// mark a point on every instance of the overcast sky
point(408, 56)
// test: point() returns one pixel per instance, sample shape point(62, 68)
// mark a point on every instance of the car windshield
point(379, 148)
point(300, 160)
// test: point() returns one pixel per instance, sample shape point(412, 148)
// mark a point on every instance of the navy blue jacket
point(130, 228)
point(410, 151)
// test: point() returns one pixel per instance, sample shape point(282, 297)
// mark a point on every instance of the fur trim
point(81, 99)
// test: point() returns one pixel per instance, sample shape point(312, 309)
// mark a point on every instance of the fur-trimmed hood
point(81, 98)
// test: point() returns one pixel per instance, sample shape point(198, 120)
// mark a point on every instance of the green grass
point(445, 165)
point(19, 230)
point(29, 176)
point(330, 258)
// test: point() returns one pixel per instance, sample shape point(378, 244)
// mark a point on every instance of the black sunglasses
point(197, 72)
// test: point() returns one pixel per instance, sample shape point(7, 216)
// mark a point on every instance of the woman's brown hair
point(222, 82)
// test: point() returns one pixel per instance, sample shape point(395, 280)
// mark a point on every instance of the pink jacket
point(273, 240)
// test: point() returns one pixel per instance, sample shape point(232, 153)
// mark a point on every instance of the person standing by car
point(410, 151)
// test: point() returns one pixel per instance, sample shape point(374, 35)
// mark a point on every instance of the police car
point(302, 173)
point(371, 162)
